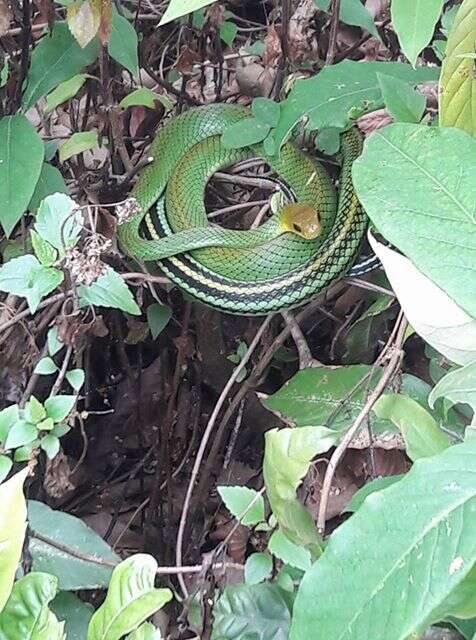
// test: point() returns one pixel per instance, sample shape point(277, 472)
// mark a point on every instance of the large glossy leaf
point(178, 8)
point(131, 598)
point(26, 614)
point(432, 314)
point(55, 59)
point(75, 613)
point(424, 525)
point(56, 536)
point(342, 92)
point(458, 83)
point(252, 611)
point(417, 186)
point(415, 22)
point(12, 531)
point(287, 455)
point(21, 159)
point(459, 386)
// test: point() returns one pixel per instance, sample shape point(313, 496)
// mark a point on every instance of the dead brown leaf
point(5, 17)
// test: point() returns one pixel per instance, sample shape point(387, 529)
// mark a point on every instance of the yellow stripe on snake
point(284, 262)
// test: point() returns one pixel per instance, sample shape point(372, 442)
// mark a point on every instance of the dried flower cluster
point(126, 210)
point(86, 266)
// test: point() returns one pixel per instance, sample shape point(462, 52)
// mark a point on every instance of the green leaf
point(158, 316)
point(54, 344)
point(76, 614)
point(78, 143)
point(238, 501)
point(266, 111)
point(20, 434)
point(64, 91)
point(23, 454)
point(55, 59)
point(45, 425)
point(146, 631)
point(45, 367)
point(145, 97)
point(5, 466)
point(426, 547)
point(287, 456)
point(352, 12)
point(131, 598)
point(402, 101)
point(429, 173)
point(8, 417)
point(431, 313)
point(34, 411)
point(45, 253)
point(61, 537)
point(462, 600)
point(58, 223)
point(75, 377)
point(467, 628)
point(4, 73)
point(12, 531)
point(289, 552)
point(415, 23)
point(26, 614)
point(457, 106)
point(258, 567)
point(371, 487)
point(258, 612)
point(21, 159)
point(123, 43)
point(328, 141)
point(244, 133)
point(178, 8)
point(228, 31)
point(340, 93)
point(50, 445)
point(109, 290)
point(58, 408)
point(422, 435)
point(26, 277)
point(458, 386)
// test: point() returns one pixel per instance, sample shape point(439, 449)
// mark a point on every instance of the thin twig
point(203, 444)
point(305, 356)
point(331, 49)
point(27, 312)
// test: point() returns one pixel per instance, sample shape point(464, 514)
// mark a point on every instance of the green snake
point(294, 255)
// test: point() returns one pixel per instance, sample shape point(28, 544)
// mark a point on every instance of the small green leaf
point(78, 143)
point(131, 598)
point(21, 159)
point(59, 221)
point(4, 73)
point(60, 430)
point(352, 12)
point(238, 501)
point(289, 552)
point(34, 411)
point(59, 407)
point(20, 434)
point(146, 98)
point(12, 531)
point(402, 101)
point(26, 277)
point(415, 23)
point(5, 466)
point(258, 567)
point(45, 367)
point(45, 253)
point(422, 435)
point(266, 111)
point(244, 133)
point(228, 31)
point(123, 43)
point(75, 377)
point(328, 140)
point(64, 91)
point(109, 290)
point(8, 417)
point(45, 425)
point(458, 386)
point(54, 344)
point(178, 8)
point(23, 454)
point(158, 316)
point(50, 445)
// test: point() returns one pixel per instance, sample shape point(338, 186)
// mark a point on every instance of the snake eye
point(297, 227)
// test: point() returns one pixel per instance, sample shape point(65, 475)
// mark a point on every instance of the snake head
point(300, 219)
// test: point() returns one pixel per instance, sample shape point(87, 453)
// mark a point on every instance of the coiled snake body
point(284, 262)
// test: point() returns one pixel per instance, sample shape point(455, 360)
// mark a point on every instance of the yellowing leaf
point(83, 19)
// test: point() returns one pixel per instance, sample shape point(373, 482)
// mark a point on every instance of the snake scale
point(282, 263)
